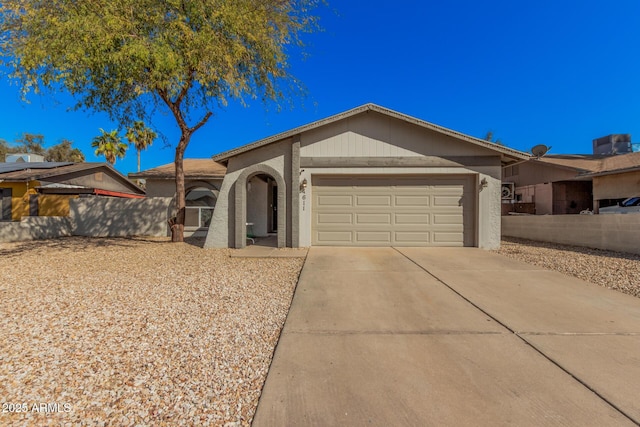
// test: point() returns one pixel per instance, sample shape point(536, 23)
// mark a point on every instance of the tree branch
point(202, 122)
point(185, 88)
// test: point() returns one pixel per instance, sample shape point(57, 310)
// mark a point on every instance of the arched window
point(200, 202)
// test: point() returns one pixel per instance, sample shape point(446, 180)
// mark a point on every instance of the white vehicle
point(630, 205)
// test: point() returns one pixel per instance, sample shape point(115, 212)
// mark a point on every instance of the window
point(200, 202)
point(5, 204)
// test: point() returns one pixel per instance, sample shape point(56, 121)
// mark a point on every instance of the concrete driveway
point(438, 336)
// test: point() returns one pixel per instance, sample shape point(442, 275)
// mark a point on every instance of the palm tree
point(141, 137)
point(109, 145)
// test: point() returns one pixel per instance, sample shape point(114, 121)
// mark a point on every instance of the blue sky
point(559, 73)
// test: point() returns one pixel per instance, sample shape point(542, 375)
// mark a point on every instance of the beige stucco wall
point(114, 217)
point(617, 186)
point(541, 194)
point(618, 232)
point(366, 135)
point(167, 187)
point(35, 228)
point(95, 217)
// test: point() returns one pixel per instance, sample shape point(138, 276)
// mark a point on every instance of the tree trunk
point(138, 160)
point(177, 223)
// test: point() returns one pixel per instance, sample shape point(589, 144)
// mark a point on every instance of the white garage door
point(392, 211)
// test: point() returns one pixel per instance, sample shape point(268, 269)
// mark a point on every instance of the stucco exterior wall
point(95, 217)
point(160, 188)
point(617, 186)
point(222, 230)
point(540, 194)
point(112, 217)
point(167, 187)
point(35, 228)
point(54, 204)
point(617, 232)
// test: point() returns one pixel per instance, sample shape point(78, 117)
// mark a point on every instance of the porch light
point(303, 185)
point(484, 183)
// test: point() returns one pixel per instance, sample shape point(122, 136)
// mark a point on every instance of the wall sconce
point(484, 183)
point(303, 185)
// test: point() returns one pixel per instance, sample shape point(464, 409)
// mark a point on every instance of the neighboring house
point(45, 188)
point(203, 178)
point(571, 183)
point(617, 178)
point(366, 177)
point(553, 184)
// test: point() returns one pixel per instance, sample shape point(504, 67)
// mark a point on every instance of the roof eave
point(614, 172)
point(143, 176)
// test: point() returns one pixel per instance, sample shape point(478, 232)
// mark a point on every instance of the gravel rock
point(613, 270)
point(136, 332)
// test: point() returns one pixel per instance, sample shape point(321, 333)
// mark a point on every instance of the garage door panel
point(413, 200)
point(448, 219)
point(335, 200)
point(334, 218)
point(334, 237)
point(392, 211)
point(413, 237)
point(372, 218)
point(373, 200)
point(453, 239)
point(382, 237)
point(412, 219)
point(447, 201)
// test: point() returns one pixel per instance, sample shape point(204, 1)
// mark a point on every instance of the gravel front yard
point(613, 270)
point(136, 332)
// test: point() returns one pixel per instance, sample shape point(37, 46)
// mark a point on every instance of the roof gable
point(61, 172)
point(505, 152)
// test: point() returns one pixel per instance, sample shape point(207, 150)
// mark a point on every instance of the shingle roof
point(505, 151)
point(193, 168)
point(624, 162)
point(581, 162)
point(591, 165)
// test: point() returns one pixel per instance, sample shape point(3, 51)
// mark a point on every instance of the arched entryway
point(260, 205)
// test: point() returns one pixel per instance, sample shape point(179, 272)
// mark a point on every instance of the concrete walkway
point(453, 337)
